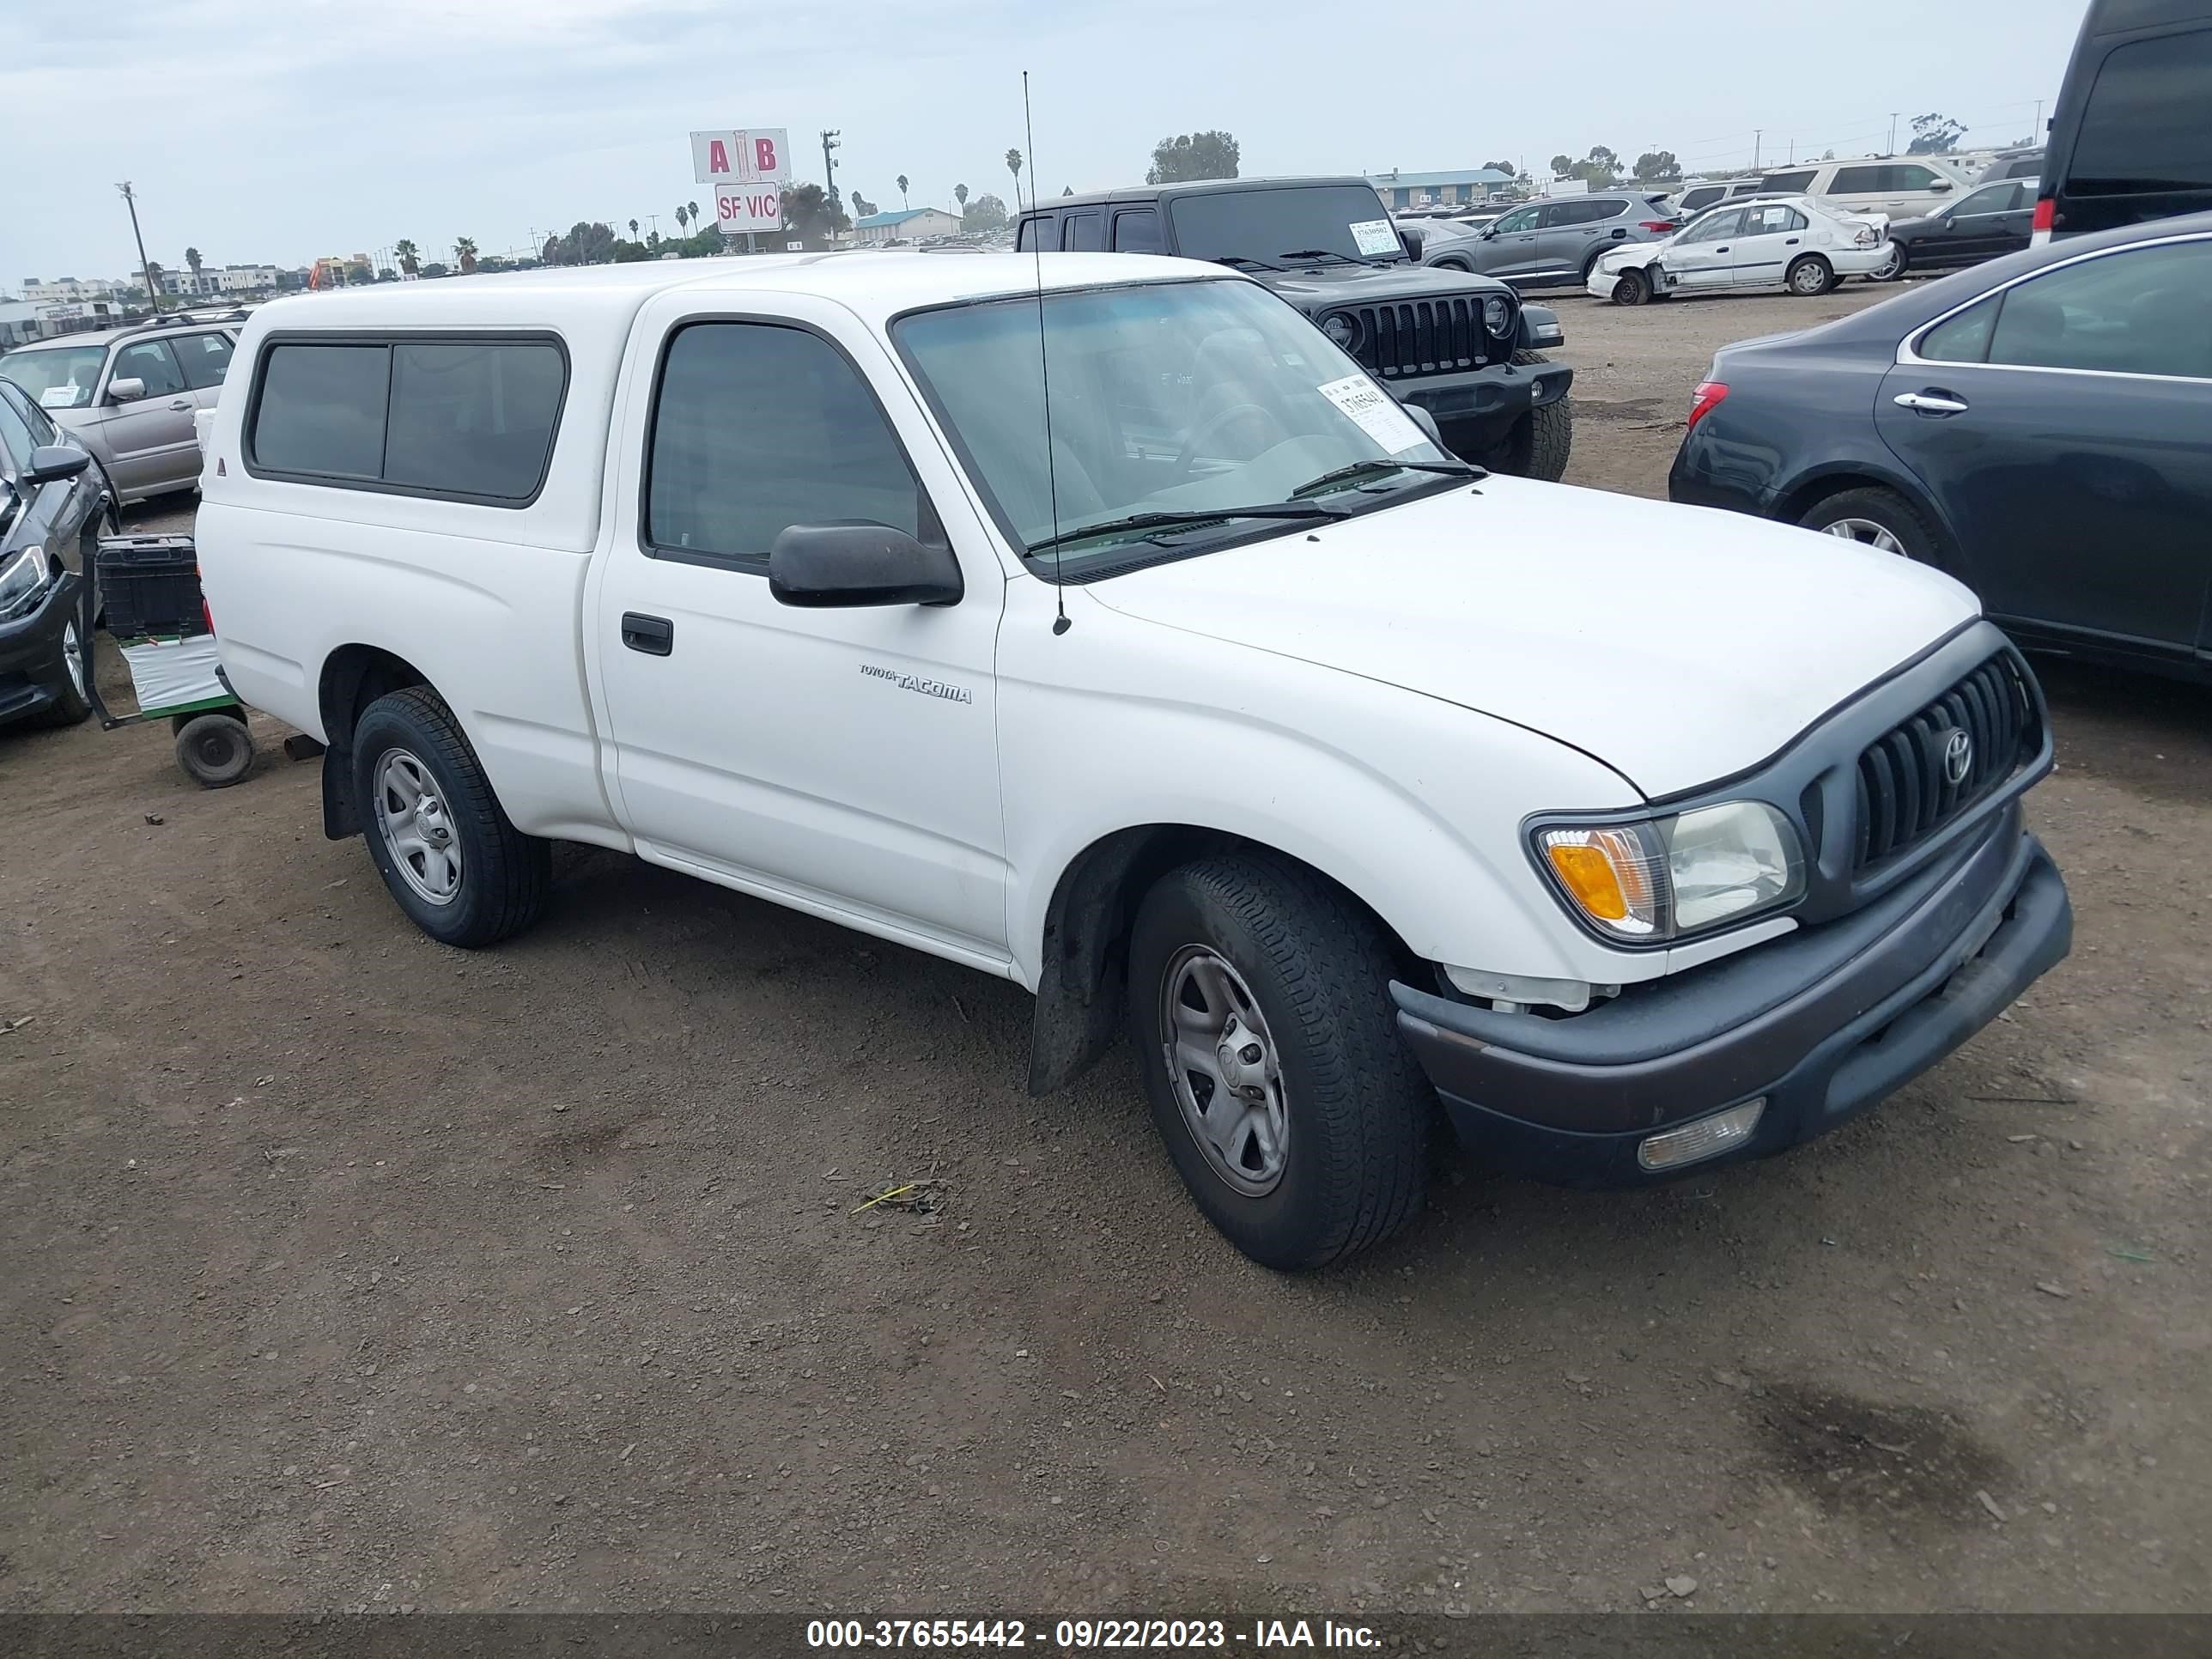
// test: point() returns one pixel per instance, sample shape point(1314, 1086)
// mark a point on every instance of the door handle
point(1933, 401)
point(1792, 242)
point(184, 402)
point(1723, 248)
point(655, 635)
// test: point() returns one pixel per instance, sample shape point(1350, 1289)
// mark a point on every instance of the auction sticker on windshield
point(1374, 236)
point(1376, 412)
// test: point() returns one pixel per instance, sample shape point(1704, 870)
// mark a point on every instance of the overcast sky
point(261, 132)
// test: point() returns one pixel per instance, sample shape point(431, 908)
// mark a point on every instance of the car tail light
point(2047, 217)
point(1656, 224)
point(1703, 401)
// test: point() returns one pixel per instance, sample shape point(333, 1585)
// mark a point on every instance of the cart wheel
point(214, 751)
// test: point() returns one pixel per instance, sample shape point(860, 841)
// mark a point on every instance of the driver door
point(1701, 257)
point(150, 437)
point(1511, 247)
point(841, 760)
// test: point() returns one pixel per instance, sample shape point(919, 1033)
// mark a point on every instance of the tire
point(469, 877)
point(71, 666)
point(1453, 264)
point(215, 750)
point(1809, 276)
point(1873, 509)
point(1350, 1108)
point(1893, 268)
point(1540, 442)
point(1633, 289)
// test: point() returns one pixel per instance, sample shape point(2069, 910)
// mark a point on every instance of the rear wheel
point(1876, 518)
point(447, 852)
point(72, 699)
point(1892, 266)
point(1810, 277)
point(1259, 1007)
point(1633, 289)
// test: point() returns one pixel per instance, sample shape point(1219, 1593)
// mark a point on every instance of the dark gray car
point(1554, 242)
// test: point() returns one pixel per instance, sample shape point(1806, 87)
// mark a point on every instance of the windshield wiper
point(1237, 261)
point(1293, 509)
point(1360, 468)
point(1326, 253)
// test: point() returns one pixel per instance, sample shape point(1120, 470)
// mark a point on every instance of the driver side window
point(1715, 226)
point(149, 361)
point(1521, 219)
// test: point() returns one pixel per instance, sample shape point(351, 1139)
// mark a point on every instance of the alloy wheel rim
point(1225, 1070)
point(73, 658)
point(1868, 533)
point(417, 830)
point(1806, 279)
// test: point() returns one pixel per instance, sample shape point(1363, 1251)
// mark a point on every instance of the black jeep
point(1461, 346)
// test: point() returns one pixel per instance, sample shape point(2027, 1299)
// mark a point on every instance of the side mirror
point(852, 561)
point(50, 462)
point(125, 389)
point(1941, 185)
point(1427, 422)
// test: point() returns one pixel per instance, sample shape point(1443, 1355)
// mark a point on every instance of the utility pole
point(2038, 117)
point(1893, 133)
point(1757, 134)
point(145, 267)
point(829, 167)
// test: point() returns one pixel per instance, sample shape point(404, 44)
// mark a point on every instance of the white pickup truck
point(1204, 697)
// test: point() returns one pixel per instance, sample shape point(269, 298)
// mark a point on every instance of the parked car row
point(129, 395)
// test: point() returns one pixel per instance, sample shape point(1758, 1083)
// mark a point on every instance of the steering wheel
point(1199, 438)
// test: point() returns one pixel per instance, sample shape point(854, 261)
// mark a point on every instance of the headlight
point(1341, 329)
point(21, 577)
point(1496, 315)
point(1661, 879)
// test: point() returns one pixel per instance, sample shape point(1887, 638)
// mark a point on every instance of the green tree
point(192, 258)
point(813, 216)
point(683, 216)
point(902, 184)
point(1933, 135)
point(1194, 155)
point(1562, 165)
point(694, 206)
point(464, 250)
point(435, 269)
point(1014, 166)
point(960, 195)
point(1505, 167)
point(862, 207)
point(633, 229)
point(409, 255)
point(1658, 167)
point(986, 212)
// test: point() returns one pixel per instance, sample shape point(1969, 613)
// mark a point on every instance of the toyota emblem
point(1958, 756)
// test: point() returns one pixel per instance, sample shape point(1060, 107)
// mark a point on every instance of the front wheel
point(1893, 265)
point(445, 846)
point(1259, 1007)
point(1810, 277)
point(1876, 518)
point(1633, 289)
point(72, 699)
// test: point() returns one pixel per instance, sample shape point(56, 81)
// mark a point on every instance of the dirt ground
point(346, 1271)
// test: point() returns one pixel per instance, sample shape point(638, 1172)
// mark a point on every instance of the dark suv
point(1460, 347)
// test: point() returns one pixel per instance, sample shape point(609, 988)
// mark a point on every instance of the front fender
point(1413, 804)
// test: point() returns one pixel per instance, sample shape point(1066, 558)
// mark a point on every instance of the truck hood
point(1679, 645)
point(1311, 286)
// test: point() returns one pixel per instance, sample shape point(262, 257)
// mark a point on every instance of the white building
point(247, 279)
point(68, 290)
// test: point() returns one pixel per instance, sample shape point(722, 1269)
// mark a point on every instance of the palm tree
point(682, 214)
point(960, 195)
point(464, 250)
point(192, 258)
point(902, 184)
point(694, 206)
point(1014, 166)
point(408, 254)
point(632, 230)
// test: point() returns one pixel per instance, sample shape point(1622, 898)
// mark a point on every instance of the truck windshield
point(1348, 220)
point(56, 377)
point(1169, 400)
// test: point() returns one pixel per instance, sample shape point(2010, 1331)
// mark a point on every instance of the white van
point(1902, 186)
point(1208, 700)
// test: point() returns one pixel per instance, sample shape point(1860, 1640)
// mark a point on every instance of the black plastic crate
point(151, 584)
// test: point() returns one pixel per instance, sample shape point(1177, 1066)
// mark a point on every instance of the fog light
point(1709, 1137)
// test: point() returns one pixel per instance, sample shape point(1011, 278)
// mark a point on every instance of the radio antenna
point(1060, 622)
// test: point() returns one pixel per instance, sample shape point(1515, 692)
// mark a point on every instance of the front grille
point(1427, 337)
point(1905, 791)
